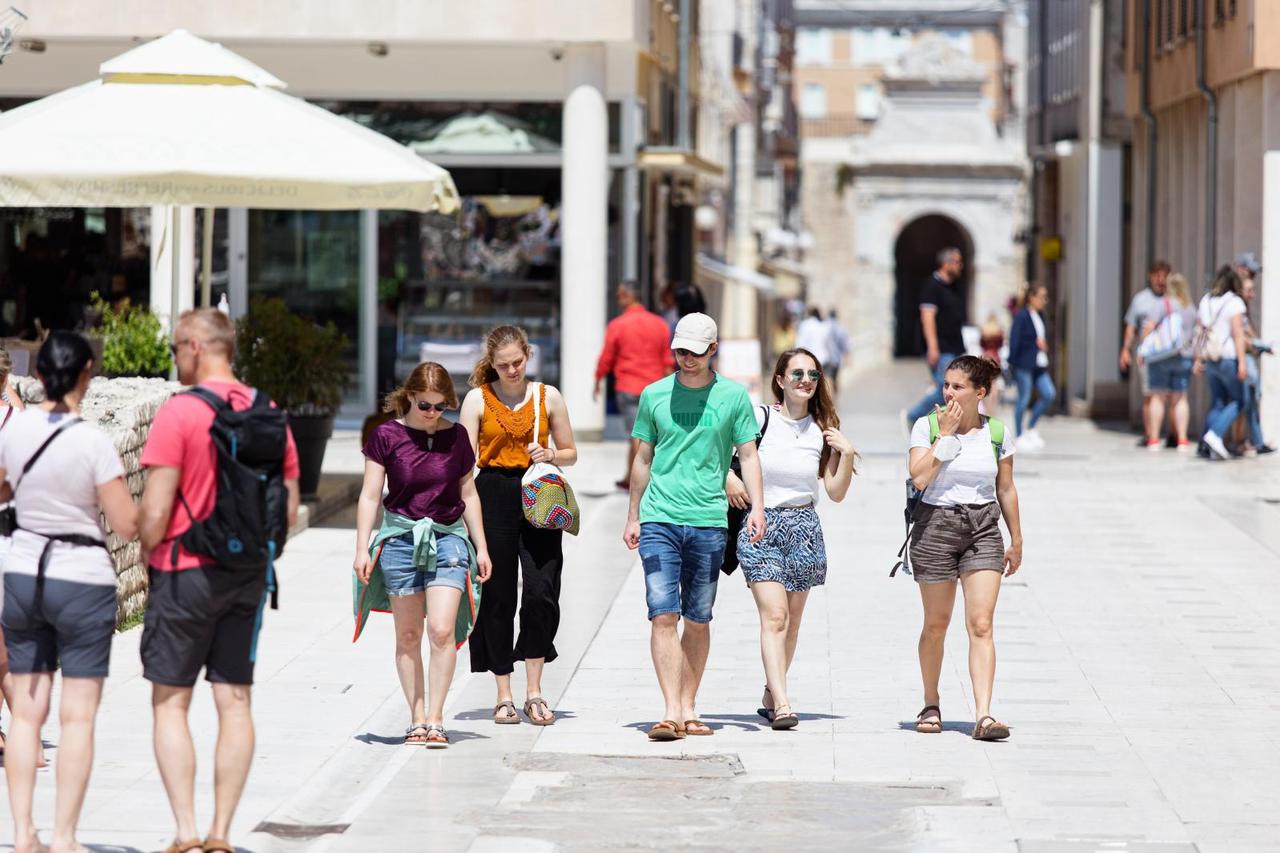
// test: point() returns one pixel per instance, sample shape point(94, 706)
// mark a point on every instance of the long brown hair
point(428, 376)
point(822, 408)
point(500, 337)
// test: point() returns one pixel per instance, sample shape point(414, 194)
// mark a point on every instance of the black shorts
point(201, 618)
point(73, 628)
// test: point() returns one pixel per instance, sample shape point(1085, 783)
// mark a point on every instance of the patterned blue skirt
point(791, 553)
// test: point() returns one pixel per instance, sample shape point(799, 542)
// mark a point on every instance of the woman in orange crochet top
point(499, 416)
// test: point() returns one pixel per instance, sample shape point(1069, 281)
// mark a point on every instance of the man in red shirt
point(637, 351)
point(199, 616)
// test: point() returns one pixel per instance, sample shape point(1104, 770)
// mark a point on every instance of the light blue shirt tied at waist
point(373, 596)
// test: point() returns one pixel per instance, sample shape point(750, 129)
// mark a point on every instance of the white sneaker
point(1215, 445)
point(1026, 443)
point(1033, 436)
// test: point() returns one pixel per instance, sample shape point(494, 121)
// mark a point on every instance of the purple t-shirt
point(422, 482)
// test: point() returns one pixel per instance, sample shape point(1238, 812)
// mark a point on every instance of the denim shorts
point(681, 567)
point(1170, 375)
point(402, 577)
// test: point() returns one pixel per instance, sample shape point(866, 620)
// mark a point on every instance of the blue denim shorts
point(681, 567)
point(402, 577)
point(1170, 375)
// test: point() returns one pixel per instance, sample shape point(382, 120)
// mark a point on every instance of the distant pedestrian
point(667, 308)
point(1257, 442)
point(837, 351)
point(1146, 306)
point(1029, 361)
point(1166, 340)
point(500, 415)
point(689, 298)
point(59, 582)
point(814, 335)
point(206, 599)
point(688, 426)
point(963, 464)
point(803, 447)
point(636, 352)
point(429, 551)
point(1220, 355)
point(942, 321)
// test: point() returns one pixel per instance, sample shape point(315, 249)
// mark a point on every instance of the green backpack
point(915, 496)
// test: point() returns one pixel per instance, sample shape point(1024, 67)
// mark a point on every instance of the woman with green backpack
point(962, 463)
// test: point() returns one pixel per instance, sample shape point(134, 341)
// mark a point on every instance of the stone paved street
point(1138, 666)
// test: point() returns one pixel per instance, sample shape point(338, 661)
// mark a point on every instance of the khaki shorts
point(948, 541)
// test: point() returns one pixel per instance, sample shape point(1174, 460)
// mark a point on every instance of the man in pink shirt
point(637, 352)
point(199, 615)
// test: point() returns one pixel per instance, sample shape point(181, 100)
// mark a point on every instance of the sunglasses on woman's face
point(798, 375)
point(424, 406)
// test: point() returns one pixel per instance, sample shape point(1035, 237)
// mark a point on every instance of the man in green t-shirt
point(687, 426)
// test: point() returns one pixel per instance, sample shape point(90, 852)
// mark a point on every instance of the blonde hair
point(216, 331)
point(502, 336)
point(427, 376)
point(6, 367)
point(1179, 288)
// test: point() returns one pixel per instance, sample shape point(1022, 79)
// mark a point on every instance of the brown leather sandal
point(666, 730)
point(703, 728)
point(184, 846)
point(539, 704)
point(217, 845)
point(926, 726)
point(989, 728)
point(513, 720)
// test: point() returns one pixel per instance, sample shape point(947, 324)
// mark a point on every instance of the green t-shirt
point(693, 432)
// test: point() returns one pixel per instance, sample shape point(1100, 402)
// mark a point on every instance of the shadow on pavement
point(487, 714)
point(963, 727)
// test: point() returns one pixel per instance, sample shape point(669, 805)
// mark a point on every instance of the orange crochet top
point(505, 433)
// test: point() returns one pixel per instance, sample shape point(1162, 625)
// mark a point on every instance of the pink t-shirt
point(179, 438)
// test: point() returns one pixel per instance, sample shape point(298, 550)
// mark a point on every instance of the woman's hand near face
point(949, 417)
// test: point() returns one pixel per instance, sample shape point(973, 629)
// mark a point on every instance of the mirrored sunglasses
point(797, 375)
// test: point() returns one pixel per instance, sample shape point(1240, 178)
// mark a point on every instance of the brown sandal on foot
point(690, 725)
point(217, 845)
point(537, 702)
point(784, 721)
point(513, 720)
point(989, 728)
point(184, 846)
point(929, 727)
point(666, 730)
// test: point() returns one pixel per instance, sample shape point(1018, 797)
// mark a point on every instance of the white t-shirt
point(59, 495)
point(1216, 313)
point(970, 478)
point(1042, 357)
point(814, 335)
point(789, 456)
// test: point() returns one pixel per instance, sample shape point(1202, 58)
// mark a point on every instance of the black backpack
point(246, 531)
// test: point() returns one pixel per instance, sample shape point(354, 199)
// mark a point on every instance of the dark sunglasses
point(686, 353)
point(797, 375)
point(424, 406)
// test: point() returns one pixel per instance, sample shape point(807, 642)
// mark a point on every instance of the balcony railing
point(834, 125)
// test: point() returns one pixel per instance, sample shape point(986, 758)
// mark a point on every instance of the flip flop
point(218, 845)
point(689, 726)
point(666, 730)
point(184, 846)
point(991, 729)
point(513, 720)
point(782, 722)
point(767, 713)
point(534, 702)
point(929, 727)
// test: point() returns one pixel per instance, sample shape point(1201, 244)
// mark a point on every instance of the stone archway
point(915, 258)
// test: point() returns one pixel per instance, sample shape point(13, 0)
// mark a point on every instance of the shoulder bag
point(737, 516)
point(545, 494)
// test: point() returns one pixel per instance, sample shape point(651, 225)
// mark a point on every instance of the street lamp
point(11, 20)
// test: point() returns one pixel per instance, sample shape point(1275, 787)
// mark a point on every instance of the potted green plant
point(299, 365)
point(133, 341)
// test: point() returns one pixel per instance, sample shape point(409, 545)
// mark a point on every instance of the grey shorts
point(948, 541)
point(72, 630)
point(628, 405)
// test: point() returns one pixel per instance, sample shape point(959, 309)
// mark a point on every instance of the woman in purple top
point(426, 463)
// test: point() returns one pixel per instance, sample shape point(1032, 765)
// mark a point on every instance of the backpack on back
point(915, 496)
point(247, 528)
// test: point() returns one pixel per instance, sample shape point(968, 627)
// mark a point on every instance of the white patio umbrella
point(183, 121)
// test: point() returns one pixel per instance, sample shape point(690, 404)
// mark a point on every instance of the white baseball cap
point(695, 332)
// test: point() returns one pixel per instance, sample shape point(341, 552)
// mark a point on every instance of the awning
point(723, 271)
point(678, 161)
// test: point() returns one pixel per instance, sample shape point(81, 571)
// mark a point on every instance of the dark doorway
point(915, 258)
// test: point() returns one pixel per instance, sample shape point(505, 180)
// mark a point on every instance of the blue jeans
point(1252, 395)
point(1227, 392)
point(1043, 384)
point(934, 397)
point(681, 567)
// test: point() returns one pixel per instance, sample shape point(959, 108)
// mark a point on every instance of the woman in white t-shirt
point(1220, 356)
point(59, 581)
point(10, 405)
point(800, 446)
point(966, 476)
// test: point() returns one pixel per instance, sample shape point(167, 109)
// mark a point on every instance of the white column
point(367, 345)
point(172, 278)
point(584, 236)
point(238, 261)
point(1269, 320)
